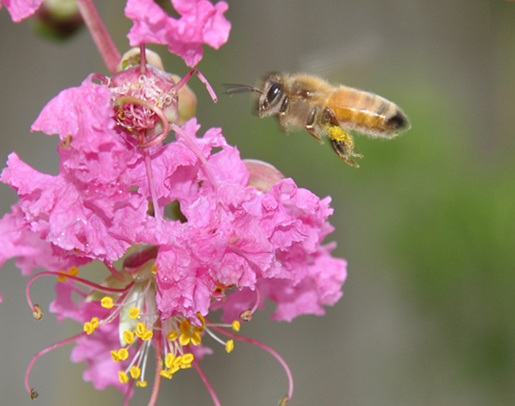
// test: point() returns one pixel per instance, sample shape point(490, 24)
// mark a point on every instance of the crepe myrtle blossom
point(182, 228)
point(233, 246)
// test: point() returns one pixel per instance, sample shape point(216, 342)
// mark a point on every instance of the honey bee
point(309, 102)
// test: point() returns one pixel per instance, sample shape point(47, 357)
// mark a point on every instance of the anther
point(246, 315)
point(33, 394)
point(37, 313)
point(285, 400)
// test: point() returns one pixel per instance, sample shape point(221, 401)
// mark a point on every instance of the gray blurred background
point(426, 223)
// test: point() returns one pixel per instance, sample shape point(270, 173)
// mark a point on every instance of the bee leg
point(310, 126)
point(282, 115)
point(343, 145)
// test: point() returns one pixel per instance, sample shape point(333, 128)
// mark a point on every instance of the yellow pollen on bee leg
point(107, 302)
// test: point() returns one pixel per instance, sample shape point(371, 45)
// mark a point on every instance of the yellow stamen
point(128, 336)
point(135, 372)
point(147, 335)
point(202, 319)
point(107, 302)
point(123, 354)
point(184, 339)
point(154, 269)
point(166, 374)
point(134, 313)
point(185, 326)
point(236, 325)
point(115, 356)
point(123, 377)
point(140, 329)
point(141, 384)
point(169, 360)
point(90, 326)
point(229, 346)
point(173, 335)
point(196, 338)
point(73, 271)
point(187, 358)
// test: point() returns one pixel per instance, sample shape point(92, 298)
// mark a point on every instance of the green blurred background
point(426, 223)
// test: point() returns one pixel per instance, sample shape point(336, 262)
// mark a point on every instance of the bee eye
point(273, 92)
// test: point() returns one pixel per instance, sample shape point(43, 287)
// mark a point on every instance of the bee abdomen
point(368, 113)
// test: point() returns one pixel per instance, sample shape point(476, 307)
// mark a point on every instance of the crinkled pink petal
point(83, 118)
point(16, 240)
point(184, 286)
point(20, 9)
point(64, 215)
point(319, 286)
point(201, 23)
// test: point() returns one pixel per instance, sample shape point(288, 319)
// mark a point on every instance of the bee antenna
point(235, 88)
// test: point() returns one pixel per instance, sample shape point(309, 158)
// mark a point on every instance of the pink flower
point(200, 23)
point(20, 9)
point(229, 245)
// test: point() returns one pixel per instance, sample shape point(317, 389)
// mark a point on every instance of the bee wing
point(351, 60)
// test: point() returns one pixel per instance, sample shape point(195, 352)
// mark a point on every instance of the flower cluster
point(194, 228)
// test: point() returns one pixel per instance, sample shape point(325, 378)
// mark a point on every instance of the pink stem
point(206, 382)
point(143, 59)
point(202, 78)
point(75, 278)
point(266, 348)
point(199, 153)
point(127, 397)
point(114, 271)
point(100, 35)
point(152, 187)
point(42, 352)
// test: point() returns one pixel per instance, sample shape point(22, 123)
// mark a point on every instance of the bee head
point(272, 95)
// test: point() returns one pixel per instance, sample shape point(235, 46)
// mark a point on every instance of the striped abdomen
point(367, 113)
